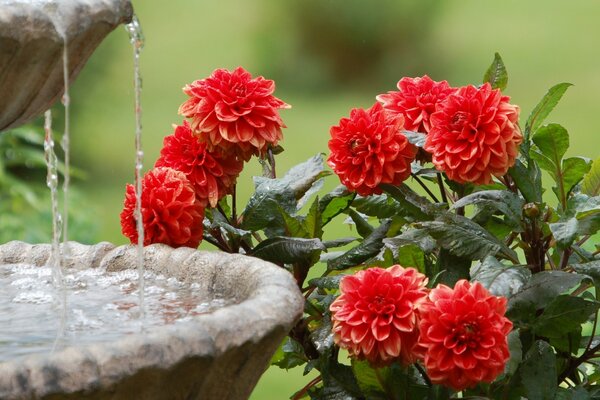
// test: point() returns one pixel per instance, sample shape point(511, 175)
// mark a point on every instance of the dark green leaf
point(508, 203)
point(516, 352)
point(287, 250)
point(528, 179)
point(565, 232)
point(327, 282)
point(290, 354)
point(591, 269)
point(591, 181)
point(576, 393)
point(496, 74)
point(544, 107)
point(465, 238)
point(563, 315)
point(543, 287)
point(368, 248)
point(416, 138)
point(293, 226)
point(363, 228)
point(418, 237)
point(452, 268)
point(313, 223)
point(500, 279)
point(412, 205)
point(334, 203)
point(538, 372)
point(322, 336)
point(573, 170)
point(338, 242)
point(380, 206)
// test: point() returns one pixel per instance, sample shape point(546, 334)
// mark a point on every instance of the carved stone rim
point(267, 299)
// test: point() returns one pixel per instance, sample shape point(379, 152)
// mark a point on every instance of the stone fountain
point(216, 355)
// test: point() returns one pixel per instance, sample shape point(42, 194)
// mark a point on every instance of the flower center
point(381, 305)
point(467, 334)
point(239, 90)
point(459, 119)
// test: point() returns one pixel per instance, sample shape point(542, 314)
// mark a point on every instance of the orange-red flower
point(463, 332)
point(416, 101)
point(170, 211)
point(234, 111)
point(474, 135)
point(368, 149)
point(212, 173)
point(375, 317)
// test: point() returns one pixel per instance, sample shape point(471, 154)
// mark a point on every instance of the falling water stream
point(136, 38)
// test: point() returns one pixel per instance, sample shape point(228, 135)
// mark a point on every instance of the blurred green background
point(327, 56)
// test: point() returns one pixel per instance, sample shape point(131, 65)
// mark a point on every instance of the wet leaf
point(500, 279)
point(564, 314)
point(538, 372)
point(368, 248)
point(287, 250)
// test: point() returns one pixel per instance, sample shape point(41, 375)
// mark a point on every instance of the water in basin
point(103, 307)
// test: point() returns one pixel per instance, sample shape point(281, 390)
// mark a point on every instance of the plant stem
point(271, 159)
point(300, 394)
point(422, 184)
point(442, 188)
point(234, 205)
point(423, 374)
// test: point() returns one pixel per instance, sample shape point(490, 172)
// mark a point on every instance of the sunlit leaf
point(591, 181)
point(496, 74)
point(544, 107)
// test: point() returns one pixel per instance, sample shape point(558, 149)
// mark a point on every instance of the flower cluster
point(232, 116)
point(471, 134)
point(388, 315)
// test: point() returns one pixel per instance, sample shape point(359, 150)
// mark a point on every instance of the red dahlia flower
point(234, 111)
point(463, 332)
point(416, 101)
point(474, 135)
point(212, 173)
point(170, 211)
point(375, 317)
point(368, 149)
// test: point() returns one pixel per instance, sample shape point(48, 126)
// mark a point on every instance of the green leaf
point(585, 222)
point(543, 287)
point(313, 222)
point(293, 226)
point(327, 282)
point(287, 250)
point(464, 238)
point(335, 203)
point(368, 248)
point(544, 107)
point(552, 141)
point(368, 380)
point(565, 232)
point(538, 372)
point(290, 354)
point(411, 256)
point(591, 269)
point(452, 268)
point(416, 138)
point(413, 206)
point(563, 315)
point(339, 242)
point(322, 336)
point(516, 352)
point(496, 74)
point(380, 206)
point(591, 181)
point(418, 237)
point(500, 279)
point(363, 228)
point(508, 203)
point(528, 179)
point(573, 170)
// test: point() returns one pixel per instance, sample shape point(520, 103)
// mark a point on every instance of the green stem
point(442, 188)
point(422, 184)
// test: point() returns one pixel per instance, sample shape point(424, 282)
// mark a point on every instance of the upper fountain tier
point(33, 34)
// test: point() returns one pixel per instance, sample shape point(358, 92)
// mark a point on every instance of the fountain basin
point(219, 355)
point(32, 37)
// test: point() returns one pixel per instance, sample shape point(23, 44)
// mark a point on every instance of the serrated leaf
point(412, 206)
point(496, 74)
point(368, 248)
point(508, 203)
point(544, 107)
point(416, 138)
point(464, 238)
point(591, 181)
point(500, 279)
point(313, 222)
point(591, 269)
point(565, 232)
point(322, 336)
point(564, 314)
point(287, 250)
point(538, 372)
